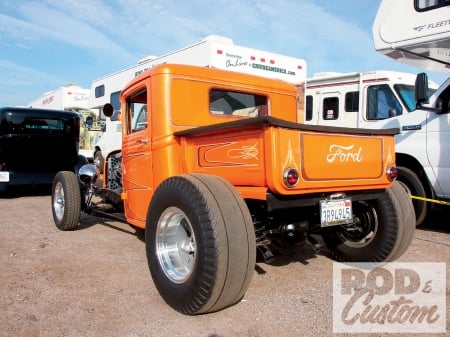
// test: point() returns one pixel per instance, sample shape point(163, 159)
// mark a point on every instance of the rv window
point(115, 100)
point(352, 101)
point(406, 93)
point(309, 108)
point(233, 103)
point(136, 118)
point(381, 103)
point(425, 5)
point(100, 91)
point(330, 108)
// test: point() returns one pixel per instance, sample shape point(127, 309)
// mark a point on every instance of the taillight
point(391, 173)
point(291, 177)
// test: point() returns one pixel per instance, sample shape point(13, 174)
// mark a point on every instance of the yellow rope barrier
point(431, 200)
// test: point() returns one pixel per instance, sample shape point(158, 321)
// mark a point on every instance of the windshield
point(406, 94)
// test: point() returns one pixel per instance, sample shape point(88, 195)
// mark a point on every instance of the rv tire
point(414, 187)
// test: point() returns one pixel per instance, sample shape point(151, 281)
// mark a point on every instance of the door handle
point(143, 141)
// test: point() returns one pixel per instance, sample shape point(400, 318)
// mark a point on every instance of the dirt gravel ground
point(95, 282)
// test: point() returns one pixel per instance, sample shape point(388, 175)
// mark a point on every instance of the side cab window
point(136, 112)
point(382, 103)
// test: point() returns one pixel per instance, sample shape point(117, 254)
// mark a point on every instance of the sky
point(46, 44)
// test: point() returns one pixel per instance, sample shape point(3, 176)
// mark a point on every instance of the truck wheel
point(200, 243)
point(382, 230)
point(66, 200)
point(415, 187)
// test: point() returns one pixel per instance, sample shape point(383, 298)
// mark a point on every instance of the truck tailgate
point(258, 152)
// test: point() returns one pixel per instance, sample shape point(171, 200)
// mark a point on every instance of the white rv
point(74, 98)
point(417, 33)
point(358, 99)
point(212, 51)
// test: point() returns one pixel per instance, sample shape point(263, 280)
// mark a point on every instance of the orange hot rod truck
point(216, 169)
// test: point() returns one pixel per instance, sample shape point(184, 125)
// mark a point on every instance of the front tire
point(415, 187)
point(200, 243)
point(382, 231)
point(66, 200)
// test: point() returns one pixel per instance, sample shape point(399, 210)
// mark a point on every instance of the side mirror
point(108, 109)
point(421, 89)
point(392, 113)
point(115, 116)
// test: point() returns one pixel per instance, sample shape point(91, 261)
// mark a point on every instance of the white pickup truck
point(417, 33)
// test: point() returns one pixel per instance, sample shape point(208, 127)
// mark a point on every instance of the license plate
point(335, 212)
point(4, 177)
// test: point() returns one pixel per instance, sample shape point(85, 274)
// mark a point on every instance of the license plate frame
point(4, 177)
point(335, 212)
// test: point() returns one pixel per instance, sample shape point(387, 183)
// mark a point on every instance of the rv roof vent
point(326, 73)
point(217, 38)
point(147, 58)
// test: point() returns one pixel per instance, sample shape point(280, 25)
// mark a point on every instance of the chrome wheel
point(201, 253)
point(58, 201)
point(363, 230)
point(175, 245)
point(66, 200)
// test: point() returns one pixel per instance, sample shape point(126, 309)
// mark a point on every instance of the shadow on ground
point(26, 191)
point(438, 220)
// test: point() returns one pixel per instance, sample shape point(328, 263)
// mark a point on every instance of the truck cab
point(37, 143)
point(212, 51)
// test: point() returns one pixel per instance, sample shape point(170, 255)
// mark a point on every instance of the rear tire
point(200, 243)
point(415, 187)
point(66, 200)
point(382, 231)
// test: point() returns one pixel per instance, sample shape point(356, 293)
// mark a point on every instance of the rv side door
point(330, 110)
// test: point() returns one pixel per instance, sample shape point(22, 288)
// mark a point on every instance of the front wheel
point(414, 187)
point(200, 243)
point(66, 200)
point(382, 230)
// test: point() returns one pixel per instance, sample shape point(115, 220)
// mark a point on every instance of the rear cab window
point(237, 104)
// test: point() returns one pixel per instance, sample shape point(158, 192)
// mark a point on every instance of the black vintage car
point(36, 143)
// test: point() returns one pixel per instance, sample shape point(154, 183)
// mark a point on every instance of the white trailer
point(358, 99)
point(212, 51)
point(74, 98)
point(418, 33)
